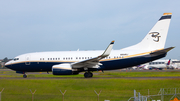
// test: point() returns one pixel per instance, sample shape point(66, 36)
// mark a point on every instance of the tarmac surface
point(124, 70)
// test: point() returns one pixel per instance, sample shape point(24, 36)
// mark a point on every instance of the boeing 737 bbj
point(74, 62)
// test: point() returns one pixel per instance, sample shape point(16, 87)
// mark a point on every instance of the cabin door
point(27, 58)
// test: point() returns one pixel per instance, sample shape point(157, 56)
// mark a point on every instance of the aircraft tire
point(91, 74)
point(24, 76)
point(88, 75)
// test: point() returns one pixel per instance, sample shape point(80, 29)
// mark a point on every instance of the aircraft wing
point(93, 62)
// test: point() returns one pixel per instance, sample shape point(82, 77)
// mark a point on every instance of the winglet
point(167, 14)
point(108, 50)
point(112, 42)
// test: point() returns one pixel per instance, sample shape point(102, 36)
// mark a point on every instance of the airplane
point(74, 62)
point(175, 64)
point(157, 64)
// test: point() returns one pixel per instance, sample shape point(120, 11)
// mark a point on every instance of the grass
point(144, 74)
point(81, 89)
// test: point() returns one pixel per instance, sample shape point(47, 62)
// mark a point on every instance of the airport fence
point(164, 94)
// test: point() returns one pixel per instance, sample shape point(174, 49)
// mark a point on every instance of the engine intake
point(62, 69)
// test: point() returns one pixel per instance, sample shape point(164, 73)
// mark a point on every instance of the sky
point(63, 25)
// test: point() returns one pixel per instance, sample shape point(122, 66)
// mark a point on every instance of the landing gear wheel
point(88, 75)
point(91, 74)
point(24, 76)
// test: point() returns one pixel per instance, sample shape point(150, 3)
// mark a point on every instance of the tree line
point(3, 61)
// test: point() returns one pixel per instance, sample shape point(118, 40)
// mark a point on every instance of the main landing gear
point(88, 74)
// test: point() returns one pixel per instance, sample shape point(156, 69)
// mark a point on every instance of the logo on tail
point(155, 35)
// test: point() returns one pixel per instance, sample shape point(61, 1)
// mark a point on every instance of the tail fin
point(156, 37)
point(169, 62)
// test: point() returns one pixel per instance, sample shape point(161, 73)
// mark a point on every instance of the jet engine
point(63, 69)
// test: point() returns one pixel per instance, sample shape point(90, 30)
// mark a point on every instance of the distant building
point(2, 64)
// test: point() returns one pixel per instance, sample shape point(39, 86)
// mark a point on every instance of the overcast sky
point(59, 25)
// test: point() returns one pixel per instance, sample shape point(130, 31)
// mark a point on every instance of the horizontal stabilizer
point(161, 51)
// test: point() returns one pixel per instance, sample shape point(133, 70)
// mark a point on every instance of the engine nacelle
point(62, 69)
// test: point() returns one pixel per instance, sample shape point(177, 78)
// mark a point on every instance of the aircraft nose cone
point(8, 65)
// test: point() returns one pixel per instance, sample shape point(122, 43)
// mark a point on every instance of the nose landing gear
point(24, 76)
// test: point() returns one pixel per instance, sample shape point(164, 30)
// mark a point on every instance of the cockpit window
point(15, 59)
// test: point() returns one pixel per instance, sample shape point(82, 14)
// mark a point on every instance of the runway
point(61, 78)
point(9, 74)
